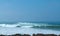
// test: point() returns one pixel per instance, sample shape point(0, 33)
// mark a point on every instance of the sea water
point(29, 28)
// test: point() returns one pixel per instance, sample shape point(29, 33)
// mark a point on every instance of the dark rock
point(9, 35)
point(2, 35)
point(58, 35)
point(16, 35)
point(30, 35)
point(39, 35)
point(50, 35)
point(34, 35)
point(25, 35)
point(44, 35)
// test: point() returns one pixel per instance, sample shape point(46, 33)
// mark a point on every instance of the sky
point(30, 10)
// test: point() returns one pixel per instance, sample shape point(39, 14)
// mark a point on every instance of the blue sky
point(30, 10)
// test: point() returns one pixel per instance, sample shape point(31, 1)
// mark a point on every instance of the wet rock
point(16, 35)
point(34, 35)
point(50, 35)
point(26, 35)
point(2, 35)
point(58, 35)
point(9, 35)
point(39, 35)
point(44, 35)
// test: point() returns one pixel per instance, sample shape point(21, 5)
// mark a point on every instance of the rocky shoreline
point(30, 35)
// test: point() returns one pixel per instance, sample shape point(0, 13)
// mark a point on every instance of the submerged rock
point(18, 26)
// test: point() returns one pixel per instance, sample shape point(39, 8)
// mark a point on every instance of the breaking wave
point(30, 25)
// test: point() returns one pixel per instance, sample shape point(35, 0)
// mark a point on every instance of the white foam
point(26, 26)
point(8, 25)
point(9, 31)
point(15, 25)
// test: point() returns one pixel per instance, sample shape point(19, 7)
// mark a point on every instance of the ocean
point(29, 28)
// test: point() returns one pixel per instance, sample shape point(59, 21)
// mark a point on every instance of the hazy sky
point(30, 10)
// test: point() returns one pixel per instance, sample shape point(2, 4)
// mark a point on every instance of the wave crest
point(30, 25)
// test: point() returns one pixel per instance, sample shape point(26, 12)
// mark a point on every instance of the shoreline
point(30, 35)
